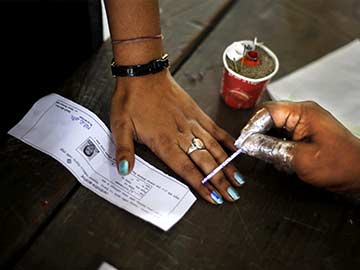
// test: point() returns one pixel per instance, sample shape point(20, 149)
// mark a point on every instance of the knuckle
point(212, 144)
point(311, 104)
point(180, 129)
point(309, 109)
point(122, 149)
point(214, 129)
point(118, 124)
point(221, 135)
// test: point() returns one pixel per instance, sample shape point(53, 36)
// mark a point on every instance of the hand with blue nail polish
point(167, 122)
point(154, 110)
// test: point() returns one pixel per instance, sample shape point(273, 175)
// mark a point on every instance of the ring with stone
point(196, 144)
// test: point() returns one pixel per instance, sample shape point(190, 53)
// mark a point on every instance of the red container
point(240, 92)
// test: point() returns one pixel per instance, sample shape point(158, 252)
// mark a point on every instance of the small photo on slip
point(88, 149)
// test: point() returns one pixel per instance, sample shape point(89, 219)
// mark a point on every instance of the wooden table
point(49, 221)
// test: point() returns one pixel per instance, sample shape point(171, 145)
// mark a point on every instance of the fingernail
point(216, 197)
point(233, 193)
point(238, 177)
point(124, 167)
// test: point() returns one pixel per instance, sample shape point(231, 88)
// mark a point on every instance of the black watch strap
point(152, 67)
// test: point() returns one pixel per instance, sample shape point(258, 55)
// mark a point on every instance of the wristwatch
point(152, 67)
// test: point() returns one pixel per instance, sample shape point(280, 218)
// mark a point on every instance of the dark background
point(42, 43)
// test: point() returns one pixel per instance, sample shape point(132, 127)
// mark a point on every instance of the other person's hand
point(323, 152)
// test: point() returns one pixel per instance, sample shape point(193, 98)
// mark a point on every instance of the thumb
point(289, 156)
point(122, 132)
point(278, 152)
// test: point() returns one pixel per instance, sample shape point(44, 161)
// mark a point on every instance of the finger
point(222, 136)
point(180, 163)
point(293, 116)
point(299, 157)
point(219, 155)
point(260, 122)
point(284, 114)
point(269, 149)
point(213, 129)
point(122, 132)
point(205, 161)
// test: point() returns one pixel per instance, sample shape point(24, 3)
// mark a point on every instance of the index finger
point(293, 116)
point(284, 114)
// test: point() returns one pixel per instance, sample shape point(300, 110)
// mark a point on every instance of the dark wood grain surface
point(278, 223)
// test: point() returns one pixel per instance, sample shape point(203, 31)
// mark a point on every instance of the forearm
point(133, 19)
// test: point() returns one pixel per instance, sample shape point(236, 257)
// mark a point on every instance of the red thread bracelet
point(137, 39)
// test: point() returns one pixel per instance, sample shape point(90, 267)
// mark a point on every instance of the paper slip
point(106, 266)
point(79, 140)
point(333, 81)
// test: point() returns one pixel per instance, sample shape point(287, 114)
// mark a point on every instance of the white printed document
point(78, 139)
point(333, 81)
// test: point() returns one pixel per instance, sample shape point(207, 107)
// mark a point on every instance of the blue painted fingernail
point(124, 167)
point(216, 197)
point(233, 193)
point(238, 177)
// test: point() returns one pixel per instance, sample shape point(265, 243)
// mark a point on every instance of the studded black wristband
point(152, 67)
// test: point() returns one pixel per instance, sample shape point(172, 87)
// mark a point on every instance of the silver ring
point(196, 144)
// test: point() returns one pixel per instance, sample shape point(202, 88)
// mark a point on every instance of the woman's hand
point(154, 110)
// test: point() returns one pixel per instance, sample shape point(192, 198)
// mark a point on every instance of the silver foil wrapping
point(254, 143)
point(261, 122)
point(270, 149)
